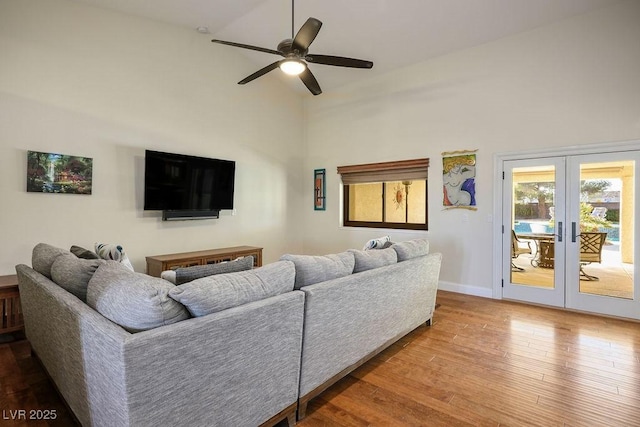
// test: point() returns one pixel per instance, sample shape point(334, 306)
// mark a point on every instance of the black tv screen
point(181, 182)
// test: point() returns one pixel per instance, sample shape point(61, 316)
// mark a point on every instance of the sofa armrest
point(75, 344)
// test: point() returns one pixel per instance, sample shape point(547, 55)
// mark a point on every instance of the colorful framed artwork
point(58, 173)
point(459, 179)
point(319, 190)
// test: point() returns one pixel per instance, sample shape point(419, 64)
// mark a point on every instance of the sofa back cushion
point(312, 269)
point(411, 249)
point(222, 291)
point(366, 260)
point(73, 274)
point(187, 274)
point(43, 256)
point(135, 301)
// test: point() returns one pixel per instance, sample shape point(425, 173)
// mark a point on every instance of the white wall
point(83, 81)
point(570, 83)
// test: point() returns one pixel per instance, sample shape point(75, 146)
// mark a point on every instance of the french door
point(568, 232)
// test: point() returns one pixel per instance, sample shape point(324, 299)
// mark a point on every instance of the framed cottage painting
point(58, 173)
point(459, 179)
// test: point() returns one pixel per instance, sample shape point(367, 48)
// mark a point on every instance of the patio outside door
point(569, 238)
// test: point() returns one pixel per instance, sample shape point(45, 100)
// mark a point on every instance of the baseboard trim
point(465, 289)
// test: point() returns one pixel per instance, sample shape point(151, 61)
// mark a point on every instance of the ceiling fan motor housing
point(285, 47)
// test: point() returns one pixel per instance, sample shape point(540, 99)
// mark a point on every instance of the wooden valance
point(403, 170)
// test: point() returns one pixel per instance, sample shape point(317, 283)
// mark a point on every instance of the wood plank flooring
point(482, 363)
point(25, 389)
point(493, 363)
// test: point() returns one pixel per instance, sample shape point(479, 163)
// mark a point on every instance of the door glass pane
point(606, 228)
point(532, 234)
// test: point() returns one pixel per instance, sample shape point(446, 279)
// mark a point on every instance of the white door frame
point(498, 163)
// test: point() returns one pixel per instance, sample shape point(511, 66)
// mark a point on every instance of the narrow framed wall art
point(319, 195)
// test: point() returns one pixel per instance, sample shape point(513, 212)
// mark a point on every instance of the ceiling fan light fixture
point(293, 67)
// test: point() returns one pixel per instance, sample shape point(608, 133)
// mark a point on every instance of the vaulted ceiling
point(391, 33)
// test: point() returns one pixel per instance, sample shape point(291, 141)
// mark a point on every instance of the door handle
point(573, 232)
point(559, 231)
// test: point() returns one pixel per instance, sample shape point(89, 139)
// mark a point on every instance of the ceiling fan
point(296, 55)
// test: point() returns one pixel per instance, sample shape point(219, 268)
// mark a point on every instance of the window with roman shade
point(386, 195)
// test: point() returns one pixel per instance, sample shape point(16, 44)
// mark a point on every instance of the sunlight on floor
point(616, 278)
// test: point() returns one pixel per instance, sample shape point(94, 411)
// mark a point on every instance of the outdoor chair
point(518, 247)
point(599, 212)
point(591, 244)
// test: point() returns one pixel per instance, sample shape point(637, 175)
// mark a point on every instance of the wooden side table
point(10, 311)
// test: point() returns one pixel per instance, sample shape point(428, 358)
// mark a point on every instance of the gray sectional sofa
point(350, 318)
point(238, 366)
point(244, 349)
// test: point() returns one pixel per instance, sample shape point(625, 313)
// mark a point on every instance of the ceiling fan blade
point(260, 72)
point(247, 46)
point(338, 61)
point(306, 35)
point(310, 82)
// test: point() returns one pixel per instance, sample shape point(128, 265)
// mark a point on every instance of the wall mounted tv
point(187, 187)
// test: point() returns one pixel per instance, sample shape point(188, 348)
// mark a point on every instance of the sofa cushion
point(411, 249)
point(73, 274)
point(111, 251)
point(43, 256)
point(187, 274)
point(379, 243)
point(312, 269)
point(83, 253)
point(220, 292)
point(135, 301)
point(366, 260)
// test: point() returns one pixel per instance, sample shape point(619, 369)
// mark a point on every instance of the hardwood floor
point(26, 394)
point(488, 363)
point(483, 362)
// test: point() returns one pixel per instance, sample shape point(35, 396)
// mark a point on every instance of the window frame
point(382, 173)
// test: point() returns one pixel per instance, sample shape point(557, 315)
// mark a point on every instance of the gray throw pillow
point(83, 253)
point(73, 274)
point(312, 269)
point(42, 258)
point(367, 260)
point(222, 291)
point(411, 249)
point(187, 274)
point(135, 301)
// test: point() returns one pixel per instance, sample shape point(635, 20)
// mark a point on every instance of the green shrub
point(613, 215)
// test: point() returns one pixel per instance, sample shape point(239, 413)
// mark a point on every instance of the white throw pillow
point(113, 252)
point(169, 276)
point(379, 243)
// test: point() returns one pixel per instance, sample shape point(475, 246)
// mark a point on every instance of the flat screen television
point(192, 185)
